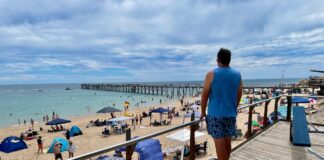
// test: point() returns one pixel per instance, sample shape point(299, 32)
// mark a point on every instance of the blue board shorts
point(220, 127)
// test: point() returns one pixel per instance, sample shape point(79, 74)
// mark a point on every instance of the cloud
point(74, 41)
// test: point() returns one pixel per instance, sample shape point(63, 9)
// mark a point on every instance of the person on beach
point(43, 118)
point(136, 119)
point(24, 122)
point(71, 149)
point(19, 121)
point(223, 91)
point(67, 134)
point(47, 118)
point(40, 144)
point(141, 119)
point(32, 123)
point(57, 151)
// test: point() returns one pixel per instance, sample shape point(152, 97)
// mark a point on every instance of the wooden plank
point(274, 144)
point(300, 133)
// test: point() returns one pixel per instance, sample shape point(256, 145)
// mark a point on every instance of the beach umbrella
point(108, 110)
point(58, 121)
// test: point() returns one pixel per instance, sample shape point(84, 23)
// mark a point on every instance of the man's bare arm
point(239, 93)
point(205, 95)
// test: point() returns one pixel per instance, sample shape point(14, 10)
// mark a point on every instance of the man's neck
point(223, 66)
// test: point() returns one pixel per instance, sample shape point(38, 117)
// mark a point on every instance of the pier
point(174, 89)
point(156, 89)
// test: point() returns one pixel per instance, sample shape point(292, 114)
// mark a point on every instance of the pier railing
point(168, 89)
point(130, 143)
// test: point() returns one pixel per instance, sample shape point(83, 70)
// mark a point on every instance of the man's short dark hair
point(224, 56)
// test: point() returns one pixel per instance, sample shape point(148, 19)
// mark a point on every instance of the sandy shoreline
point(92, 140)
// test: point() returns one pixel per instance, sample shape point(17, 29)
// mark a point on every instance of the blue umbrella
point(160, 110)
point(58, 121)
point(299, 100)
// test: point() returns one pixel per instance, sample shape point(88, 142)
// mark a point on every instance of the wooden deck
point(274, 144)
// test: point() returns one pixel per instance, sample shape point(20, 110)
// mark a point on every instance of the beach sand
point(91, 139)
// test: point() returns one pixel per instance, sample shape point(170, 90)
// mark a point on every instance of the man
point(32, 123)
point(57, 151)
point(222, 91)
point(67, 134)
point(40, 144)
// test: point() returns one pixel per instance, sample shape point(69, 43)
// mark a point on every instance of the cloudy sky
point(130, 41)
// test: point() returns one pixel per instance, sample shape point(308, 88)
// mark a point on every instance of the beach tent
point(75, 131)
point(64, 142)
point(108, 110)
point(161, 111)
point(280, 116)
point(299, 100)
point(11, 144)
point(146, 148)
point(58, 121)
point(183, 136)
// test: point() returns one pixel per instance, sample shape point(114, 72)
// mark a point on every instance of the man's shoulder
point(235, 71)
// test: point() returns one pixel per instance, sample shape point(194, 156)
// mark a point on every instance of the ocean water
point(34, 101)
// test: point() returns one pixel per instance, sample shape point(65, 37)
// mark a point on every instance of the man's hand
point(202, 116)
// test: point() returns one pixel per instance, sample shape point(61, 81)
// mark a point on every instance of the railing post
point(129, 148)
point(265, 114)
point(275, 118)
point(289, 108)
point(249, 130)
point(192, 138)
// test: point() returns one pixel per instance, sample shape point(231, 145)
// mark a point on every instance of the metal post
point(249, 129)
point(265, 115)
point(129, 148)
point(192, 138)
point(289, 108)
point(276, 110)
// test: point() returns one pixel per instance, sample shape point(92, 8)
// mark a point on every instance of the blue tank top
point(223, 93)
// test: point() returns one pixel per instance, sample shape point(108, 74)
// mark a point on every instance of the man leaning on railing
point(223, 90)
